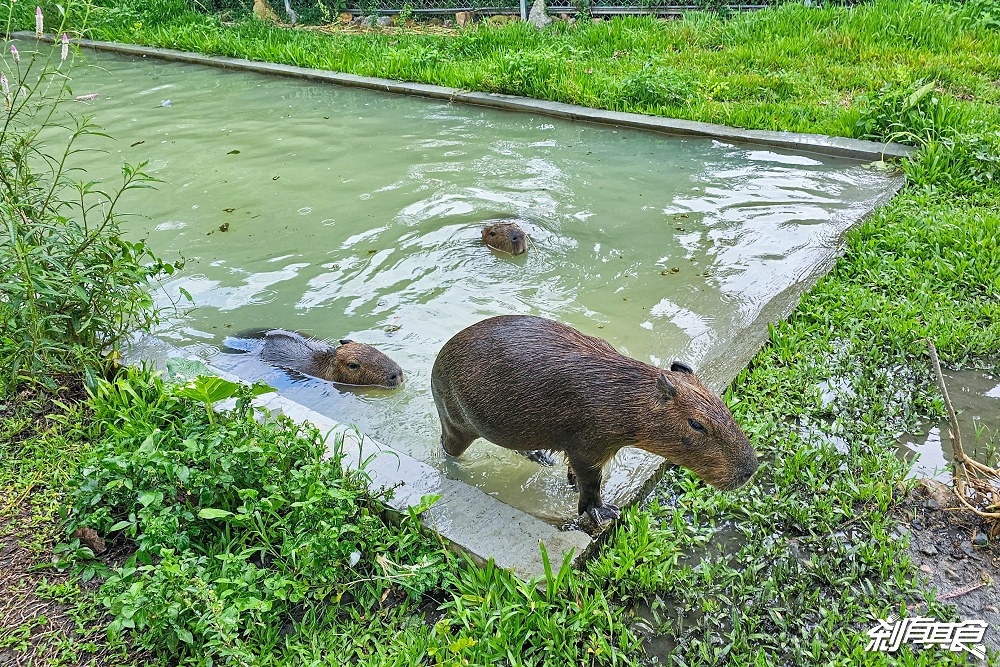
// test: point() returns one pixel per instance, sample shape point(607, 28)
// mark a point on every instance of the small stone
point(932, 504)
point(89, 538)
point(902, 532)
point(967, 548)
point(463, 19)
point(436, 22)
point(990, 608)
point(345, 17)
point(930, 550)
point(951, 574)
point(926, 569)
point(980, 540)
point(384, 21)
point(263, 11)
point(564, 16)
point(447, 23)
point(538, 16)
point(918, 524)
point(597, 19)
point(367, 22)
point(939, 492)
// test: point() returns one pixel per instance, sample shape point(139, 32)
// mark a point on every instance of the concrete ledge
point(813, 143)
point(470, 521)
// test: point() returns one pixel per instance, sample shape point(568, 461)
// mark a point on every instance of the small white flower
point(13, 52)
point(38, 22)
point(65, 46)
point(355, 557)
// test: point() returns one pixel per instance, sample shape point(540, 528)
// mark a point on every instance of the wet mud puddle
point(344, 213)
point(975, 395)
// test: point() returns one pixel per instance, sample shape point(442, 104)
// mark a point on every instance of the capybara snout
point(347, 363)
point(506, 237)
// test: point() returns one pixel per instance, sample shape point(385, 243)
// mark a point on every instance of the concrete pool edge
point(857, 149)
point(470, 521)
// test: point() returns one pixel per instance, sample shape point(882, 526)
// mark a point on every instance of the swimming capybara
point(347, 363)
point(506, 237)
point(528, 383)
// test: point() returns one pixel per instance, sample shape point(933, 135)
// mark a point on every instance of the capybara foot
point(605, 512)
point(539, 456)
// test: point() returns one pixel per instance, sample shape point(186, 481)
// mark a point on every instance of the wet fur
point(506, 237)
point(292, 350)
point(528, 383)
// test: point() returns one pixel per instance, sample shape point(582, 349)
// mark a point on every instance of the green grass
point(799, 587)
point(790, 68)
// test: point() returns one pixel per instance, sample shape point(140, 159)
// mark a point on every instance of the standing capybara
point(528, 383)
point(347, 363)
point(506, 237)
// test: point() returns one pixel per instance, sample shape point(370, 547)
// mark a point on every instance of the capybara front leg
point(455, 444)
point(588, 480)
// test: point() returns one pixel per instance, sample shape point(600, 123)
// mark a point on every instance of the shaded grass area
point(817, 558)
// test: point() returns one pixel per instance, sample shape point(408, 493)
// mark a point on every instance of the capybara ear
point(345, 341)
point(666, 388)
point(681, 367)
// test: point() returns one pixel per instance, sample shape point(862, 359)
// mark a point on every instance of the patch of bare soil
point(958, 555)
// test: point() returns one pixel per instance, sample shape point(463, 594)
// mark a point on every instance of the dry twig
point(973, 480)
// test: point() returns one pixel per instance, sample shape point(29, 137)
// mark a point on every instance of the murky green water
point(355, 214)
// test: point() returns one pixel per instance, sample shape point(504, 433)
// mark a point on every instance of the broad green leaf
point(213, 513)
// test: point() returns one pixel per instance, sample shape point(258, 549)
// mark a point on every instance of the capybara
point(528, 383)
point(506, 237)
point(347, 363)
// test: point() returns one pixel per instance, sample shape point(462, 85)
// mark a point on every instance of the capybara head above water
point(348, 363)
point(506, 237)
point(529, 383)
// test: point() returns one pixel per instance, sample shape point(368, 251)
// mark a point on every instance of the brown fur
point(528, 383)
point(347, 363)
point(506, 237)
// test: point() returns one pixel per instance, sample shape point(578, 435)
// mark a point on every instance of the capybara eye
point(696, 425)
point(493, 233)
point(354, 365)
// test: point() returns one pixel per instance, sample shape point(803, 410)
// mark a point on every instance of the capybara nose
point(394, 380)
point(746, 472)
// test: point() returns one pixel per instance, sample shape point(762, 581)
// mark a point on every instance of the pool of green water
point(353, 214)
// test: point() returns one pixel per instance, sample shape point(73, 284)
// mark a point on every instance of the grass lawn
point(793, 588)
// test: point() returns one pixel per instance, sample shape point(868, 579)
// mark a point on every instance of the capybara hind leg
point(539, 456)
point(571, 477)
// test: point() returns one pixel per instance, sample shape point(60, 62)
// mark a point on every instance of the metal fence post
point(524, 10)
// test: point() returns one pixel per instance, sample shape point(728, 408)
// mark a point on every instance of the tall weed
point(71, 286)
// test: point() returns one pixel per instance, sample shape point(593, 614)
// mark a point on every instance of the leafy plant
point(233, 520)
point(71, 287)
point(208, 390)
point(654, 86)
point(911, 116)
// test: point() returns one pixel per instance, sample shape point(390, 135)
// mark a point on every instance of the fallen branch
point(968, 473)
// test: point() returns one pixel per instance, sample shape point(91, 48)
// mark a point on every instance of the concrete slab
point(468, 520)
point(814, 143)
